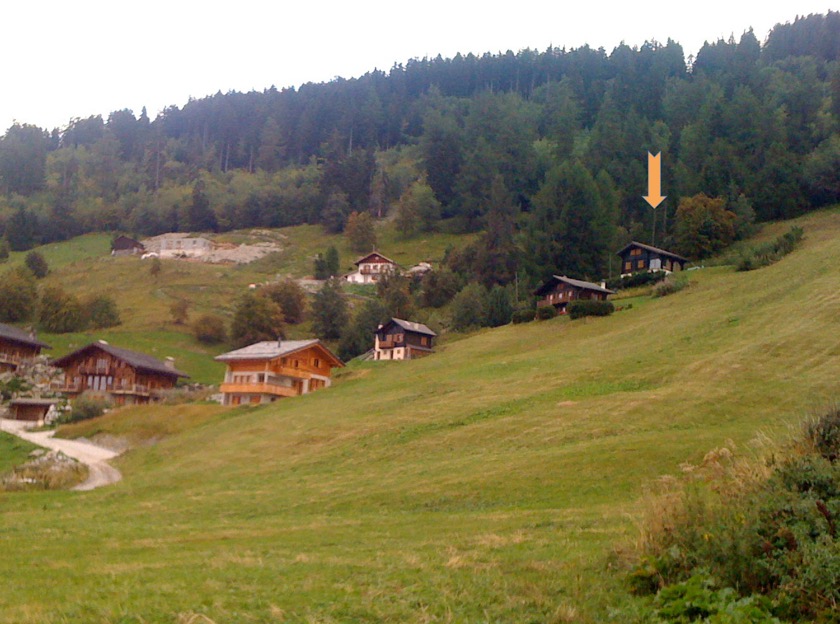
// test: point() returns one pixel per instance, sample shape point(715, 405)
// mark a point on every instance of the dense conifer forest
point(543, 150)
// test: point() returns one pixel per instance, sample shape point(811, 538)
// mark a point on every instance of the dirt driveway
point(95, 457)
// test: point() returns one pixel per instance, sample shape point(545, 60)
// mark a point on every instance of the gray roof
point(10, 332)
point(573, 282)
point(412, 326)
point(33, 401)
point(271, 349)
point(662, 252)
point(373, 253)
point(133, 358)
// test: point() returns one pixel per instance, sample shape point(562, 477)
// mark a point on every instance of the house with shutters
point(17, 347)
point(370, 268)
point(637, 257)
point(402, 340)
point(123, 376)
point(266, 371)
point(559, 290)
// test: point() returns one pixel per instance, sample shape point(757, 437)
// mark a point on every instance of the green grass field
point(13, 451)
point(492, 482)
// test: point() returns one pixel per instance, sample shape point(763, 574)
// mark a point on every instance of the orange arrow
point(654, 196)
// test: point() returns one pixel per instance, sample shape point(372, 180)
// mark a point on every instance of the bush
point(546, 312)
point(60, 312)
point(823, 433)
point(101, 311)
point(469, 307)
point(291, 298)
point(525, 315)
point(209, 329)
point(766, 254)
point(670, 286)
point(36, 263)
point(589, 307)
point(85, 408)
point(637, 279)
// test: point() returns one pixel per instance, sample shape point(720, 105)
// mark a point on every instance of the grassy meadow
point(496, 481)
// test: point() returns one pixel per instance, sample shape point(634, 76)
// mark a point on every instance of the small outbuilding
point(30, 409)
point(559, 290)
point(637, 257)
point(402, 340)
point(125, 246)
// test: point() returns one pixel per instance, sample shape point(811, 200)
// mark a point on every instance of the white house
point(370, 268)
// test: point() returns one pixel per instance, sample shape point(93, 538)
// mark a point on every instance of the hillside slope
point(486, 483)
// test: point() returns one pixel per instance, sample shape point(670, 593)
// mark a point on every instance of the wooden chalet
point(266, 371)
point(402, 340)
point(126, 377)
point(34, 410)
point(559, 290)
point(17, 347)
point(637, 257)
point(370, 268)
point(125, 246)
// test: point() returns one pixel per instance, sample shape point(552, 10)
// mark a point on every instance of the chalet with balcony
point(402, 340)
point(370, 268)
point(125, 377)
point(125, 246)
point(267, 371)
point(637, 257)
point(559, 290)
point(17, 347)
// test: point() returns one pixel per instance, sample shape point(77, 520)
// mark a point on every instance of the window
point(628, 266)
point(317, 363)
point(398, 338)
point(640, 264)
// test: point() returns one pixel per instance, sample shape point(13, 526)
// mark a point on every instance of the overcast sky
point(66, 59)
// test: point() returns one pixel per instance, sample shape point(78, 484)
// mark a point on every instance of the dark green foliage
point(209, 329)
point(824, 433)
point(60, 312)
point(200, 217)
point(589, 307)
point(765, 254)
point(523, 315)
point(18, 296)
point(329, 311)
point(360, 232)
point(336, 211)
point(670, 285)
point(438, 287)
point(704, 226)
point(394, 290)
point(469, 308)
point(36, 263)
point(359, 335)
point(418, 210)
point(319, 268)
point(546, 312)
point(698, 600)
point(85, 408)
point(155, 267)
point(100, 312)
point(499, 306)
point(4, 249)
point(635, 280)
point(332, 261)
point(290, 297)
point(255, 319)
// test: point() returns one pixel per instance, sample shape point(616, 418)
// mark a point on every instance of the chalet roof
point(271, 349)
point(373, 253)
point(549, 283)
point(132, 358)
point(125, 242)
point(33, 401)
point(661, 252)
point(9, 332)
point(411, 326)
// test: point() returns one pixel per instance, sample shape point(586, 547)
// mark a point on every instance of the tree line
point(545, 151)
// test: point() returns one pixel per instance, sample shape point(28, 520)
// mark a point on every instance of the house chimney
point(603, 284)
point(169, 363)
point(279, 342)
point(102, 342)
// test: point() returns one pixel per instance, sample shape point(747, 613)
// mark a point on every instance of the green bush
point(36, 263)
point(670, 286)
point(85, 408)
point(824, 433)
point(765, 254)
point(546, 312)
point(636, 279)
point(525, 315)
point(101, 311)
point(209, 329)
point(589, 307)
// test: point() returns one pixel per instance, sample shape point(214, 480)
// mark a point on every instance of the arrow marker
point(654, 196)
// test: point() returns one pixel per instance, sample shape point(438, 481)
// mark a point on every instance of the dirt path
point(95, 457)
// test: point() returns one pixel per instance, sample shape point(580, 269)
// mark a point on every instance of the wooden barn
point(125, 246)
point(402, 340)
point(34, 410)
point(266, 371)
point(370, 268)
point(126, 377)
point(17, 347)
point(559, 290)
point(637, 257)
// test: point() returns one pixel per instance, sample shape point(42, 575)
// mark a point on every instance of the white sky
point(64, 59)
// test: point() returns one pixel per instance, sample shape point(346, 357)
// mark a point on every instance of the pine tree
point(329, 311)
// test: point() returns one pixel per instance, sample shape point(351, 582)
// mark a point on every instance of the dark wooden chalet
point(637, 257)
point(123, 376)
point(17, 347)
point(559, 290)
point(125, 246)
point(402, 340)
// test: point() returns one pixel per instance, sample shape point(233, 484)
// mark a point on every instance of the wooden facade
point(637, 257)
point(125, 246)
point(559, 290)
point(17, 347)
point(402, 340)
point(270, 370)
point(33, 410)
point(370, 268)
point(125, 377)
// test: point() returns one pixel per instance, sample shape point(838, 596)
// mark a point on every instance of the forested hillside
point(546, 149)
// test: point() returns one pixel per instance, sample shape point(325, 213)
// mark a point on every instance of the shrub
point(209, 329)
point(546, 312)
point(85, 408)
point(60, 312)
point(823, 433)
point(36, 263)
point(589, 307)
point(18, 296)
point(101, 311)
point(524, 315)
point(289, 295)
point(637, 279)
point(670, 286)
point(469, 307)
point(765, 254)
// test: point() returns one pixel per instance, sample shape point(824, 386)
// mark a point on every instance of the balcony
point(124, 389)
point(259, 388)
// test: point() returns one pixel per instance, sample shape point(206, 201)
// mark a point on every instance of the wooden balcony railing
point(259, 388)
